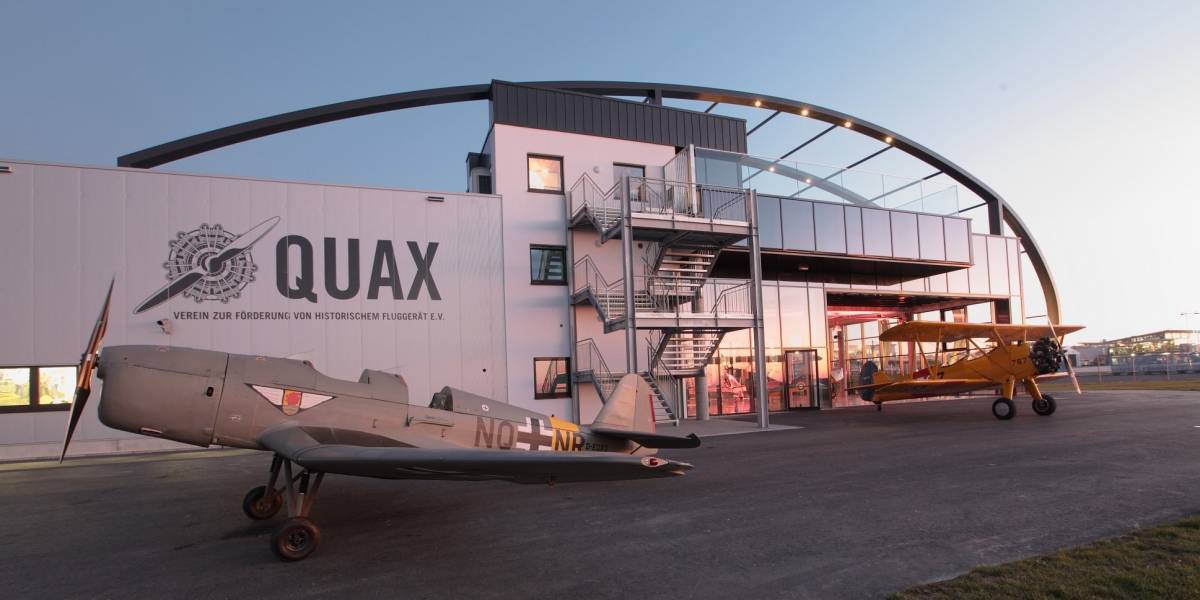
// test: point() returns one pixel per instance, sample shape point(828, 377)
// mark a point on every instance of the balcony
point(661, 209)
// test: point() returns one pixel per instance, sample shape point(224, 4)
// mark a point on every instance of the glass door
point(800, 373)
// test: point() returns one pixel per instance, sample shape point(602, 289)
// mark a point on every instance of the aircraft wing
point(464, 464)
point(934, 387)
point(937, 331)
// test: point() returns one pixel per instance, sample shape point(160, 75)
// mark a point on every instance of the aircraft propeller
point(1063, 352)
point(87, 364)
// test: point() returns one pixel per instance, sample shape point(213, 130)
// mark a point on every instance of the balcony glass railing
point(812, 181)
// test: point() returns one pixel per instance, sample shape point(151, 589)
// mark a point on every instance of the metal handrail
point(660, 372)
point(602, 376)
point(723, 298)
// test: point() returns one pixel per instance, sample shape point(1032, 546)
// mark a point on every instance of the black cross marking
point(535, 438)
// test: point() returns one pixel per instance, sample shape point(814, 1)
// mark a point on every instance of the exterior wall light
point(847, 124)
point(887, 140)
point(771, 169)
point(757, 103)
point(804, 112)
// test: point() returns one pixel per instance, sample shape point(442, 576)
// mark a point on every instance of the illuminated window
point(552, 377)
point(547, 265)
point(545, 173)
point(36, 388)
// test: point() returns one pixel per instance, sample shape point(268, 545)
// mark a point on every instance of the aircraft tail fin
point(629, 408)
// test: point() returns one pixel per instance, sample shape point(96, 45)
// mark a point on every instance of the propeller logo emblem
point(209, 263)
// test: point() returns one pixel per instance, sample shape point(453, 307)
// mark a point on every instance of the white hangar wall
point(65, 231)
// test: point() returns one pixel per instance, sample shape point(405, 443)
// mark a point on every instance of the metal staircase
point(681, 270)
point(684, 227)
point(685, 352)
point(592, 367)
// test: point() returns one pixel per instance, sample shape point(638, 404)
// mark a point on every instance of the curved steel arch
point(998, 212)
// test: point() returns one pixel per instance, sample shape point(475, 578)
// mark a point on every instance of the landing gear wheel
point(1045, 407)
point(1004, 409)
point(258, 506)
point(878, 407)
point(295, 539)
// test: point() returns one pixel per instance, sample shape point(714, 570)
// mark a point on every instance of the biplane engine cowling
point(1046, 355)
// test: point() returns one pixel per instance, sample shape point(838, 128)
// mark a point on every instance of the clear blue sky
point(1082, 114)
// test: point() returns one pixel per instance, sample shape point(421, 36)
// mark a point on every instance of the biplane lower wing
point(462, 464)
point(929, 387)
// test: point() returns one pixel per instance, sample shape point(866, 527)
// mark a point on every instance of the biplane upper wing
point(937, 331)
point(930, 387)
point(293, 442)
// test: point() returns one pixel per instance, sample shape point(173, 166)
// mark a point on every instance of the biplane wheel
point(295, 539)
point(1045, 407)
point(257, 506)
point(1004, 409)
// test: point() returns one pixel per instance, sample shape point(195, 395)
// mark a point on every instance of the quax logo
point(209, 263)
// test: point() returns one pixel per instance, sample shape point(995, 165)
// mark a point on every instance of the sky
point(1082, 115)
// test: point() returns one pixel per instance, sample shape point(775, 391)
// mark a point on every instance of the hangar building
point(606, 228)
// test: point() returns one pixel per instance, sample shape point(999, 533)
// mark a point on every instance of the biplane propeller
point(1017, 354)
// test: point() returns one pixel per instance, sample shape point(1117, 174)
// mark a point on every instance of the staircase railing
point(585, 193)
point(606, 296)
point(734, 299)
point(659, 197)
point(663, 377)
point(591, 360)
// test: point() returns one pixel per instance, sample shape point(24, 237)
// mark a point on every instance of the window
point(621, 171)
point(545, 173)
point(552, 378)
point(36, 388)
point(547, 265)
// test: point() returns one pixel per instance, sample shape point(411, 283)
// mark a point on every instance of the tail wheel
point(1045, 407)
point(1004, 409)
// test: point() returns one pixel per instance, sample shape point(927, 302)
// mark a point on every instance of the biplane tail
point(628, 414)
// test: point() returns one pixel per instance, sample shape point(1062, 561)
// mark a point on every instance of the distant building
point(1166, 351)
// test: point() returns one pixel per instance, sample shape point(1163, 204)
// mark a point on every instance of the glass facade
point(838, 342)
point(810, 226)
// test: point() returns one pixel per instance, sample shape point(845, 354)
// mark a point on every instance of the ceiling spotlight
point(771, 169)
point(808, 180)
point(802, 267)
point(757, 103)
point(804, 112)
point(887, 140)
point(847, 124)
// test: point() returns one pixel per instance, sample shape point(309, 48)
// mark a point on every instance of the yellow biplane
point(1009, 354)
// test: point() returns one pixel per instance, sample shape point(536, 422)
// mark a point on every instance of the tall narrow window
point(548, 265)
point(552, 377)
point(638, 172)
point(545, 173)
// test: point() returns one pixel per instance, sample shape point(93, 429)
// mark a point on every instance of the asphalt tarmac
point(854, 504)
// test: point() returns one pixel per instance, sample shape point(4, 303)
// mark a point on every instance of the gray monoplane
point(366, 428)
